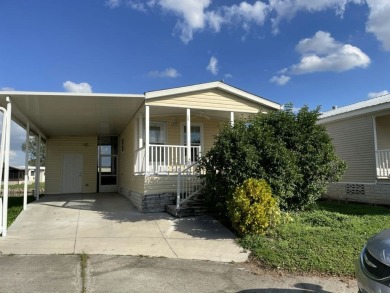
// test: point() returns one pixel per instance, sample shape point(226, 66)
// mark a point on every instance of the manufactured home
point(361, 136)
point(139, 145)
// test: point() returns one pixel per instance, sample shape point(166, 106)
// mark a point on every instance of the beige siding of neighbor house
point(354, 143)
point(57, 147)
point(127, 148)
point(383, 132)
point(211, 100)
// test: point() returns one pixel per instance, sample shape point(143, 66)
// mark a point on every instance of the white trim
point(349, 111)
point(188, 125)
point(212, 85)
point(67, 94)
point(6, 167)
point(147, 120)
point(232, 118)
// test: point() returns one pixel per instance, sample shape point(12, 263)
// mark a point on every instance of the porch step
point(193, 207)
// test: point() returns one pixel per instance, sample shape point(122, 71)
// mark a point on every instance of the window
point(156, 133)
point(196, 135)
point(196, 139)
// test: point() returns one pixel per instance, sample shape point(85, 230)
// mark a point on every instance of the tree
point(33, 149)
point(289, 150)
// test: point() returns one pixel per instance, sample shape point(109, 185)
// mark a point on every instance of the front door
point(108, 163)
point(72, 176)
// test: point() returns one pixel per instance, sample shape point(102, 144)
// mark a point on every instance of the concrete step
point(186, 211)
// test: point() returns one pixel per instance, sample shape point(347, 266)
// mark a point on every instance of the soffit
point(64, 114)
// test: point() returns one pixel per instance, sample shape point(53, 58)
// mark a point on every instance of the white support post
point(232, 118)
point(38, 167)
point(6, 167)
point(140, 132)
point(188, 126)
point(26, 166)
point(147, 117)
point(375, 145)
point(2, 147)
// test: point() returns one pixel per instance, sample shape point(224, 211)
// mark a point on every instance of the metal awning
point(61, 114)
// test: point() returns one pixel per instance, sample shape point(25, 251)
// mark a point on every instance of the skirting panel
point(151, 203)
point(374, 193)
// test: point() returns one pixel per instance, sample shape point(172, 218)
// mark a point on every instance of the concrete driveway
point(109, 224)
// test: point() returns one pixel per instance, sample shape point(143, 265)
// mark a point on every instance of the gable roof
point(356, 109)
point(64, 114)
point(210, 86)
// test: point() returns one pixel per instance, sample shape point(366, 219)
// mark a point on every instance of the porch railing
point(383, 163)
point(188, 184)
point(165, 159)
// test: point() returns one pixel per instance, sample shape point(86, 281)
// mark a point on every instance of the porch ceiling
point(62, 114)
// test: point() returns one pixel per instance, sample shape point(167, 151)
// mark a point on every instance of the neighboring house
point(132, 144)
point(361, 136)
point(16, 174)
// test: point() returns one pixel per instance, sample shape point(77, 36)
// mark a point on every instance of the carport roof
point(72, 114)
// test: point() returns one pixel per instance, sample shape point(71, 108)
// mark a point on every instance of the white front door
point(72, 176)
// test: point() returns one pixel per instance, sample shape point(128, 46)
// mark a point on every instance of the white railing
point(188, 184)
point(165, 159)
point(382, 163)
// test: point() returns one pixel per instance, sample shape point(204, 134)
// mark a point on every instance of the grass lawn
point(326, 240)
point(15, 206)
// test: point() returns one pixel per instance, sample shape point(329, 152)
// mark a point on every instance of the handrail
point(188, 184)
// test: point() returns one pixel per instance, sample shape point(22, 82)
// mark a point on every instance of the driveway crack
point(162, 234)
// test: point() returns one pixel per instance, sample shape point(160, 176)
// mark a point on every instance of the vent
point(376, 269)
point(355, 189)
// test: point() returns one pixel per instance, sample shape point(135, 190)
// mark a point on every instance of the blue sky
point(323, 52)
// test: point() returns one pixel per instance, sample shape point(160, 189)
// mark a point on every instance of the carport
point(47, 115)
point(109, 224)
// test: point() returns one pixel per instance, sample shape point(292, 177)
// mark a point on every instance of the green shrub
point(252, 209)
point(289, 150)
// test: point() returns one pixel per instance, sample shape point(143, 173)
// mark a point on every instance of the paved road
point(110, 273)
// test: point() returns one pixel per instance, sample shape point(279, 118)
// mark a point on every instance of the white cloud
point(191, 15)
point(228, 75)
point(6, 88)
point(169, 72)
point(196, 15)
point(213, 65)
point(377, 94)
point(287, 9)
point(379, 21)
point(280, 80)
point(113, 3)
point(72, 87)
point(246, 13)
point(323, 53)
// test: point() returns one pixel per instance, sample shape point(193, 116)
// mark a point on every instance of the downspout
point(26, 166)
point(38, 167)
